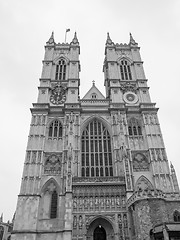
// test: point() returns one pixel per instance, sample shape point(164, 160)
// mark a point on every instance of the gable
point(93, 93)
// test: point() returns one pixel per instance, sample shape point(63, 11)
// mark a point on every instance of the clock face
point(58, 95)
point(130, 97)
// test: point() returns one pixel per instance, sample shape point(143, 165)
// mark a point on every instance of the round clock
point(58, 95)
point(130, 97)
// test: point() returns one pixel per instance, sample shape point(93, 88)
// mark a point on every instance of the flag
point(68, 30)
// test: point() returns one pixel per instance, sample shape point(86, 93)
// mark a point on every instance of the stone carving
point(150, 119)
point(28, 156)
point(126, 157)
point(52, 165)
point(140, 162)
point(80, 222)
point(143, 184)
point(33, 158)
point(158, 154)
point(74, 222)
point(98, 202)
point(128, 87)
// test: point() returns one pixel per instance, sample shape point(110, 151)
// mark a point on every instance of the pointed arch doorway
point(99, 233)
point(100, 229)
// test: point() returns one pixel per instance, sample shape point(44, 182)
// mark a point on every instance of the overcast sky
point(25, 26)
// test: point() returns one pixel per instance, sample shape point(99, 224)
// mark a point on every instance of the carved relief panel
point(52, 164)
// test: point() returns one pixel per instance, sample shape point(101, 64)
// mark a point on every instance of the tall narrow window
point(176, 216)
point(96, 156)
point(55, 130)
point(134, 127)
point(61, 70)
point(125, 70)
point(53, 211)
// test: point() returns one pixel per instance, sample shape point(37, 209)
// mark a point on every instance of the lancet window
point(177, 216)
point(54, 198)
point(49, 201)
point(134, 127)
point(61, 70)
point(96, 155)
point(125, 70)
point(55, 130)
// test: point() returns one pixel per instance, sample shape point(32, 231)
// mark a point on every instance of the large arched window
point(61, 70)
point(134, 127)
point(55, 130)
point(176, 216)
point(125, 70)
point(96, 155)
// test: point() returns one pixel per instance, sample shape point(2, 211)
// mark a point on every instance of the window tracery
point(125, 70)
point(134, 127)
point(61, 70)
point(96, 156)
point(55, 130)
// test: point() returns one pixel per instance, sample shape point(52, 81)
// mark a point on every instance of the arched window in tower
point(134, 127)
point(61, 70)
point(54, 198)
point(55, 130)
point(96, 155)
point(125, 70)
point(176, 216)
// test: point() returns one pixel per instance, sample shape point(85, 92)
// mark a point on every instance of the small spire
point(51, 39)
point(13, 217)
point(132, 41)
point(172, 167)
point(109, 41)
point(93, 83)
point(1, 218)
point(75, 40)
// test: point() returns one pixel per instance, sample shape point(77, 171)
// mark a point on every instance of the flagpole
point(67, 30)
point(65, 35)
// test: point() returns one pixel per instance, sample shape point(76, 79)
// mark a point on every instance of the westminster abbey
point(96, 167)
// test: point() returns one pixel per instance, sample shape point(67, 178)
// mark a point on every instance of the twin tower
point(96, 167)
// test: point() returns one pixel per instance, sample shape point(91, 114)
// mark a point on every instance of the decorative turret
point(1, 218)
point(51, 39)
point(75, 40)
point(132, 41)
point(174, 178)
point(109, 41)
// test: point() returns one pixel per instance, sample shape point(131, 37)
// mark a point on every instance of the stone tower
point(96, 168)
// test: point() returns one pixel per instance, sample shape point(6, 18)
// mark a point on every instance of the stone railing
point(94, 102)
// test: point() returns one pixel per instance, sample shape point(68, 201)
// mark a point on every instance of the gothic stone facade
point(96, 167)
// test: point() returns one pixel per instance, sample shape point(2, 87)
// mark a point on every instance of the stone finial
point(109, 41)
point(13, 217)
point(75, 40)
point(172, 167)
point(93, 83)
point(51, 39)
point(132, 41)
point(1, 218)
